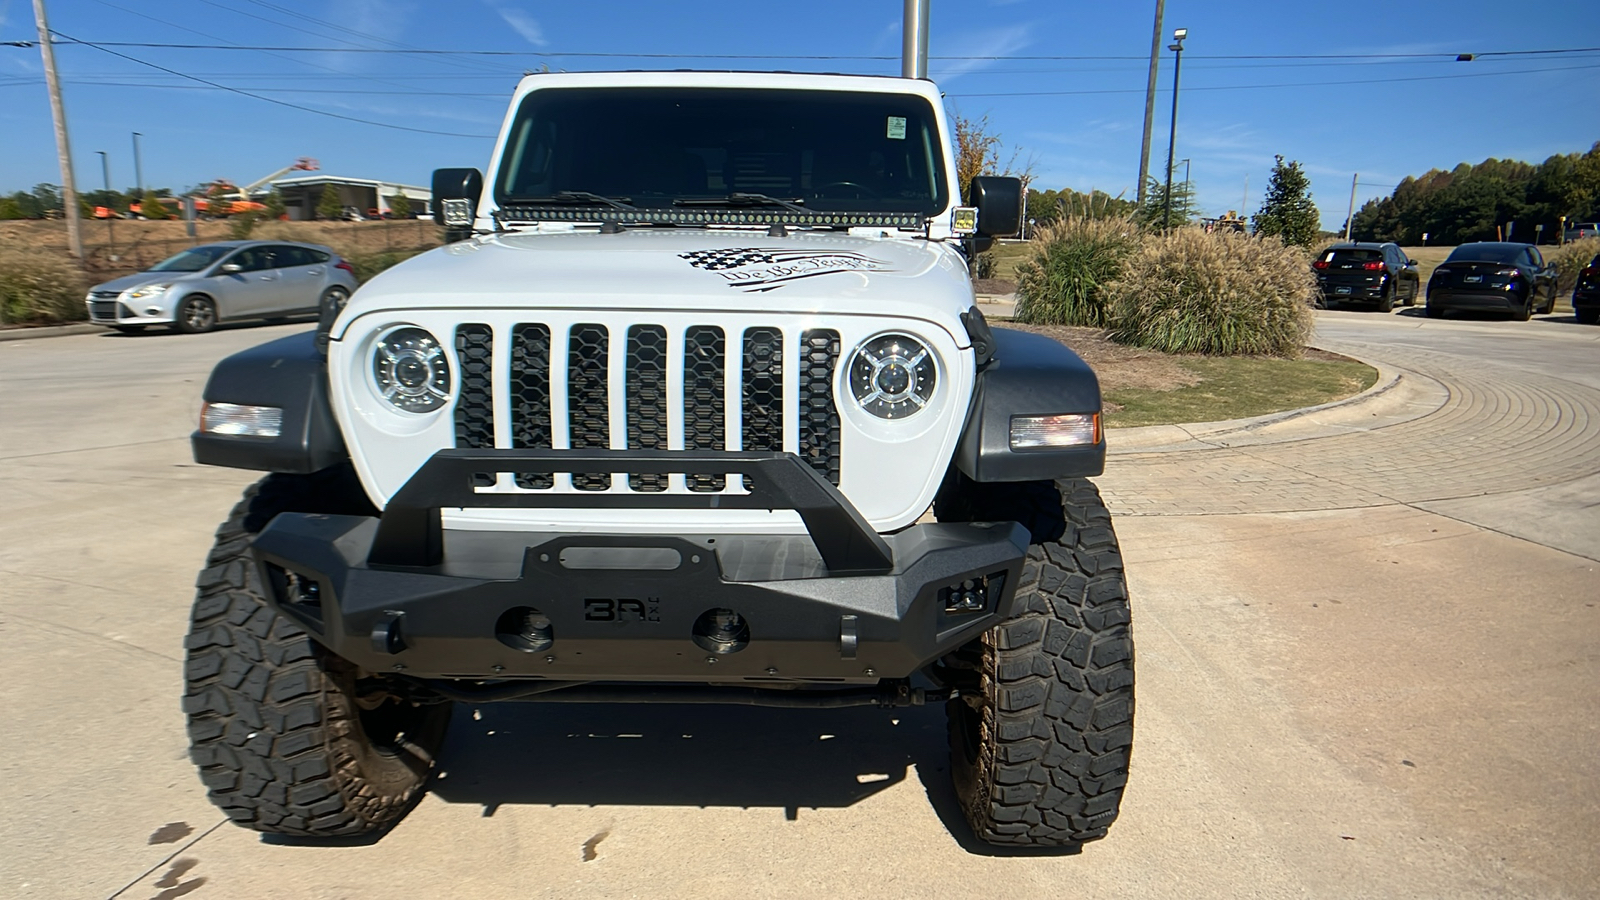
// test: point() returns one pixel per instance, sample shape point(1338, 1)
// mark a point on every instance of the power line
point(285, 103)
point(1249, 87)
point(617, 55)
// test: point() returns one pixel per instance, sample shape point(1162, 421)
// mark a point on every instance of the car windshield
point(192, 260)
point(661, 148)
point(1495, 253)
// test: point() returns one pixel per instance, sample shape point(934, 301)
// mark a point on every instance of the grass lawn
point(1144, 387)
point(1239, 387)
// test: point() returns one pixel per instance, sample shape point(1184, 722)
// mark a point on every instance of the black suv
point(1378, 274)
point(1493, 276)
point(1586, 294)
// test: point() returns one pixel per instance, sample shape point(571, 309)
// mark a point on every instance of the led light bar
point(243, 421)
point(1046, 432)
point(532, 212)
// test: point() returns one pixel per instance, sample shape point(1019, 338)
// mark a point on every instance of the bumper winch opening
point(525, 628)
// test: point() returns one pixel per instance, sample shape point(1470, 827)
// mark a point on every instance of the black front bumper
point(841, 606)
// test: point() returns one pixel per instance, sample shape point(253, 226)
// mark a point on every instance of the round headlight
point(410, 370)
point(892, 376)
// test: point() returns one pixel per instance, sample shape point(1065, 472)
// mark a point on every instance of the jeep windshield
point(730, 156)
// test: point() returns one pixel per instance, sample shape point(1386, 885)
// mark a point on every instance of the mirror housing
point(230, 268)
point(455, 200)
point(999, 202)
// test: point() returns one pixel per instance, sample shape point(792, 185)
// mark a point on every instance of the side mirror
point(455, 200)
point(999, 203)
point(1411, 262)
point(230, 268)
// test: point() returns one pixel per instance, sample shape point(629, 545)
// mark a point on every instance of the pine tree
point(1154, 212)
point(329, 206)
point(1287, 210)
point(152, 208)
point(273, 202)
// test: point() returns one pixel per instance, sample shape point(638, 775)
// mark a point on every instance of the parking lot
point(1369, 645)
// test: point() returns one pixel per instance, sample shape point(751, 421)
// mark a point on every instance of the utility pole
point(1150, 100)
point(138, 171)
point(1178, 34)
point(1244, 199)
point(111, 228)
point(914, 40)
point(1350, 219)
point(69, 189)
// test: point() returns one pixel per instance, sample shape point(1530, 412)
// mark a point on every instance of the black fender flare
point(1028, 375)
point(288, 374)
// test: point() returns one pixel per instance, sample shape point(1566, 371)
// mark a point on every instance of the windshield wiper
point(565, 197)
point(741, 198)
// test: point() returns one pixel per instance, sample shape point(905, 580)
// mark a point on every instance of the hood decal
point(752, 269)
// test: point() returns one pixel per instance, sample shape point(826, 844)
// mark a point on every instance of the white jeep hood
point(824, 273)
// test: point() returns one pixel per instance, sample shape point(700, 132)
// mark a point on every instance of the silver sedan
point(223, 282)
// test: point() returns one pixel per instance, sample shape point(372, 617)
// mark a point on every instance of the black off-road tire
point(1040, 749)
point(1589, 315)
point(275, 727)
point(1433, 312)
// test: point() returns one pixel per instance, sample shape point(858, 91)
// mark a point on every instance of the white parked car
point(228, 281)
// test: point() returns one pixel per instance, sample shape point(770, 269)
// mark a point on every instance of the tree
point(1154, 213)
point(10, 208)
point(47, 197)
point(273, 202)
point(151, 207)
point(1287, 211)
point(329, 207)
point(399, 205)
point(977, 152)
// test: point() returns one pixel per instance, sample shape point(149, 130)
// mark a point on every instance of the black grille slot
point(819, 416)
point(530, 398)
point(705, 362)
point(647, 398)
point(762, 413)
point(475, 406)
point(587, 399)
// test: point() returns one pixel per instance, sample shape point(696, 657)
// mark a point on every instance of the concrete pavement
point(1355, 678)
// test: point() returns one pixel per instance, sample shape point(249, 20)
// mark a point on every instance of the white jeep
point(695, 407)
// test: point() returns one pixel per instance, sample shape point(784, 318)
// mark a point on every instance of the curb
point(1211, 435)
point(44, 331)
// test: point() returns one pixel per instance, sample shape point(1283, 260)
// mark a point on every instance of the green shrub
point(1222, 294)
point(984, 265)
point(1569, 259)
point(240, 226)
point(1062, 281)
point(37, 289)
point(370, 264)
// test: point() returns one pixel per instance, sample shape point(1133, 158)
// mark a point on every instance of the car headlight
point(892, 376)
point(148, 290)
point(410, 370)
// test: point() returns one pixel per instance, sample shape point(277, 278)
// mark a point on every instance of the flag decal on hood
point(765, 269)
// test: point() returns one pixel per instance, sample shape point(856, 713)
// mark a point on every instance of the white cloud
point(994, 42)
point(523, 24)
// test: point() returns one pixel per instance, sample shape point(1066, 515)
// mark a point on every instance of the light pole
point(138, 171)
point(111, 228)
point(1176, 47)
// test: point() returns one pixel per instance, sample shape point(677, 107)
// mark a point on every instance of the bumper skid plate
point(842, 606)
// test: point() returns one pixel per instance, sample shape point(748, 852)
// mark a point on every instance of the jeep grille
point(764, 353)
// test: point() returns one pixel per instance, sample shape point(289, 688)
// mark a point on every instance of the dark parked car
point(1492, 276)
point(1586, 294)
point(224, 282)
point(1378, 274)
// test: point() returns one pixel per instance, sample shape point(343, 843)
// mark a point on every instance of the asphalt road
point(1364, 671)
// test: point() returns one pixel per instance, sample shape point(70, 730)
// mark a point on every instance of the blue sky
point(1078, 120)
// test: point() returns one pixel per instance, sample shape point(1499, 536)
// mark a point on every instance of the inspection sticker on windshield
point(897, 127)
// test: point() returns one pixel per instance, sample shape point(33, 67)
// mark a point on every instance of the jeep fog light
point(1043, 432)
point(892, 376)
point(409, 369)
point(245, 421)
